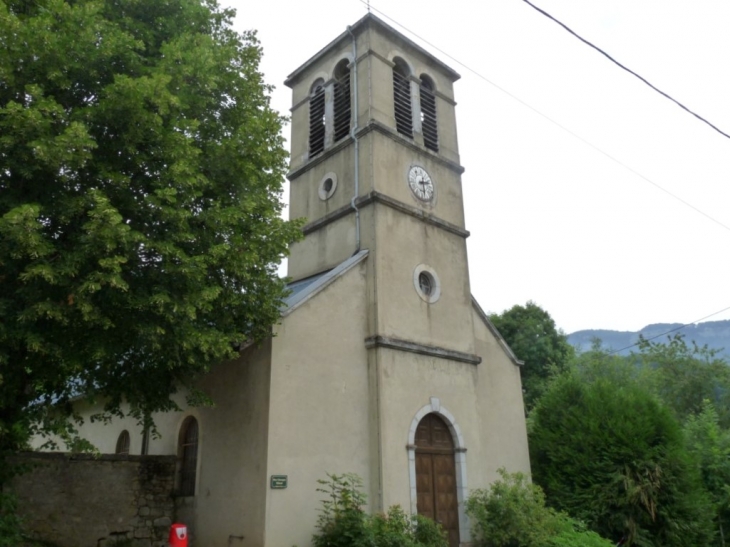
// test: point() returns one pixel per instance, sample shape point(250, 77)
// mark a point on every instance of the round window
point(327, 186)
point(427, 283)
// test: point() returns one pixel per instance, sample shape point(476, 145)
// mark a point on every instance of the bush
point(344, 523)
point(512, 513)
point(611, 455)
point(575, 534)
point(10, 532)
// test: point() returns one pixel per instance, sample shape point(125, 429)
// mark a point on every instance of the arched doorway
point(436, 475)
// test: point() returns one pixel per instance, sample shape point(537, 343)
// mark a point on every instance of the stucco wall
point(228, 509)
point(319, 404)
point(86, 501)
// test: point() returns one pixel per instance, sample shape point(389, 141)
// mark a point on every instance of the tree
point(711, 446)
point(611, 455)
point(685, 376)
point(531, 333)
point(141, 168)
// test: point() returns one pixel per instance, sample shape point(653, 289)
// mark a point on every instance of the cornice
point(421, 349)
point(377, 197)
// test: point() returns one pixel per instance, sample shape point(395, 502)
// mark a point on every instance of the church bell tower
point(375, 166)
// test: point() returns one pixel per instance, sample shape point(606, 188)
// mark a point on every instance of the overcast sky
point(552, 219)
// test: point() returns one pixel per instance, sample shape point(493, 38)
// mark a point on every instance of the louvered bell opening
point(343, 113)
point(428, 119)
point(316, 123)
point(402, 101)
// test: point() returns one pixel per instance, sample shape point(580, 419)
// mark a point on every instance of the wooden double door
point(436, 475)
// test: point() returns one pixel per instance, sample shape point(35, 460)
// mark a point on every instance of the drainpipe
point(353, 133)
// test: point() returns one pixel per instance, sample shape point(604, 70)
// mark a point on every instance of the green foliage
point(512, 513)
point(684, 376)
point(343, 521)
point(611, 455)
point(426, 532)
point(10, 529)
point(531, 333)
point(575, 534)
point(711, 445)
point(141, 169)
point(396, 529)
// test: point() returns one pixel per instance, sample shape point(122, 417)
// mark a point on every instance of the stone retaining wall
point(75, 500)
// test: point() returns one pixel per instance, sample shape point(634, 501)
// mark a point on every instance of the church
point(383, 364)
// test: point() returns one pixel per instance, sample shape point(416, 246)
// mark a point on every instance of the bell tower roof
point(368, 21)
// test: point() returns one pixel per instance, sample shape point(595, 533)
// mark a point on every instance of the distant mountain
point(716, 334)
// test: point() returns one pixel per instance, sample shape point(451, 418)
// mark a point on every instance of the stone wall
point(73, 500)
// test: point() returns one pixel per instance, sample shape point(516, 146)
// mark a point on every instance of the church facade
point(383, 363)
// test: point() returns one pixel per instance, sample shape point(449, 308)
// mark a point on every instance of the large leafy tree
point(140, 176)
point(533, 336)
point(608, 452)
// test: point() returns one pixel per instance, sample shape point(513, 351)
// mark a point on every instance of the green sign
point(279, 482)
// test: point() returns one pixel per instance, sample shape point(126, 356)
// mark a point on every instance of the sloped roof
point(502, 342)
point(304, 289)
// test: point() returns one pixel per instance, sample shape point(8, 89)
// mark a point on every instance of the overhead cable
point(548, 118)
point(614, 61)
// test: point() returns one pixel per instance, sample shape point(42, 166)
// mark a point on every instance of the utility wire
point(675, 329)
point(614, 61)
point(548, 118)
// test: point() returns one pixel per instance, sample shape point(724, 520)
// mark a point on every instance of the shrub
point(512, 513)
point(575, 534)
point(10, 532)
point(344, 523)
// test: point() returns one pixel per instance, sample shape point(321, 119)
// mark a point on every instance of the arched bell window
point(343, 112)
point(316, 119)
point(123, 443)
point(402, 98)
point(428, 114)
point(188, 456)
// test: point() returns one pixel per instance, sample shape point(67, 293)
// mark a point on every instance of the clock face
point(420, 182)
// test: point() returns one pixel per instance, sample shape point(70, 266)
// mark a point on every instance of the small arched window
point(402, 98)
point(123, 443)
point(343, 113)
point(188, 454)
point(316, 119)
point(428, 114)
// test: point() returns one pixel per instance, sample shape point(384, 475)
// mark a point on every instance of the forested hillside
point(714, 334)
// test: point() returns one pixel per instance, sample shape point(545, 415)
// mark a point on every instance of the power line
point(548, 118)
point(675, 329)
point(614, 61)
